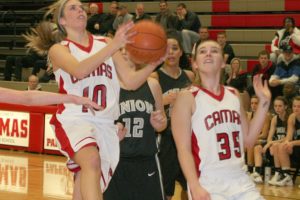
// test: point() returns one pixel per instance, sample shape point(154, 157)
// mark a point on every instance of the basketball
point(149, 42)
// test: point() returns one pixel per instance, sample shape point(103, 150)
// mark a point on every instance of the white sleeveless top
point(217, 139)
point(102, 85)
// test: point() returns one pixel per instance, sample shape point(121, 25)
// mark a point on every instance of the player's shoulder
point(154, 75)
point(100, 38)
point(153, 83)
point(232, 90)
point(190, 74)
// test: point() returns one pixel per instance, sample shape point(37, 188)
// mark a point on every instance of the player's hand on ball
point(124, 35)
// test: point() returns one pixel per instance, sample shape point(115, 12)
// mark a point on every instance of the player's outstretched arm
point(256, 124)
point(158, 117)
point(39, 98)
point(61, 57)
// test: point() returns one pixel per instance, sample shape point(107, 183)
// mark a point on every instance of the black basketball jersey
point(281, 128)
point(169, 84)
point(135, 109)
point(297, 130)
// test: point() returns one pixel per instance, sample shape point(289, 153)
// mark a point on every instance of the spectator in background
point(123, 16)
point(31, 60)
point(277, 132)
point(287, 70)
point(265, 67)
point(188, 23)
point(102, 24)
point(289, 35)
point(165, 17)
point(93, 23)
point(289, 149)
point(237, 78)
point(108, 20)
point(289, 93)
point(261, 138)
point(227, 48)
point(33, 83)
point(203, 35)
point(140, 13)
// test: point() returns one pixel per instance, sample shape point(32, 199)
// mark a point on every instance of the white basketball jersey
point(102, 85)
point(217, 141)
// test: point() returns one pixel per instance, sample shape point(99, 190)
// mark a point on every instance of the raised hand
point(123, 34)
point(261, 88)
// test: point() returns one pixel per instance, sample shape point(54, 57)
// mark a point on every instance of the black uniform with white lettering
point(137, 175)
point(295, 156)
point(167, 150)
point(280, 132)
point(281, 128)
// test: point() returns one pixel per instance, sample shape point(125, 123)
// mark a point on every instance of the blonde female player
point(211, 129)
point(87, 66)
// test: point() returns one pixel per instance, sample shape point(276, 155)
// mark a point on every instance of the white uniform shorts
point(220, 186)
point(74, 133)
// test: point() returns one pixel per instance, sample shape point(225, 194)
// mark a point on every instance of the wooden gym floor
point(28, 176)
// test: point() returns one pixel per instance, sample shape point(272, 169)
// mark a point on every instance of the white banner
point(13, 174)
point(58, 180)
point(14, 128)
point(49, 135)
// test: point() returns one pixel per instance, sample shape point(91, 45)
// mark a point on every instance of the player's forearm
point(188, 167)
point(257, 122)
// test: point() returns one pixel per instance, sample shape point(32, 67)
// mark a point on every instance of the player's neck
point(80, 38)
point(211, 86)
point(171, 71)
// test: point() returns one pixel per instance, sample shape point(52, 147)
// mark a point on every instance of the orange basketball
point(149, 43)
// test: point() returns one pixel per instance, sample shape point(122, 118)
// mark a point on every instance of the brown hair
point(264, 52)
point(45, 34)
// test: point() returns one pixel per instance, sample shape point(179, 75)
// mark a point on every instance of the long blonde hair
point(45, 34)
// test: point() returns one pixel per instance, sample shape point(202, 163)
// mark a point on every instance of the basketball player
point(261, 139)
point(137, 175)
point(87, 66)
point(172, 79)
point(40, 98)
point(210, 129)
point(289, 149)
point(276, 135)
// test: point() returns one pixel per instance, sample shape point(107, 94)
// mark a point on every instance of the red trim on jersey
point(217, 97)
point(196, 151)
point(103, 179)
point(102, 39)
point(74, 170)
point(83, 48)
point(89, 144)
point(61, 107)
point(232, 90)
point(62, 137)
